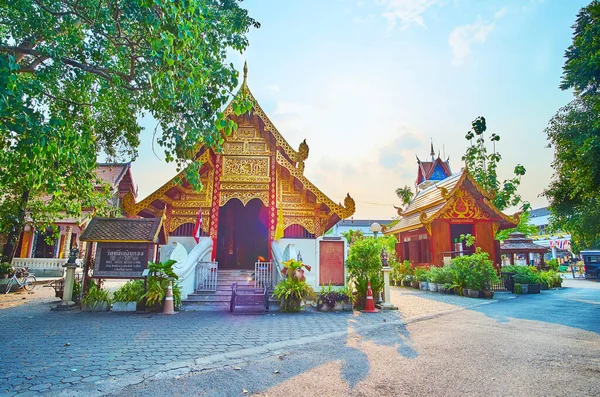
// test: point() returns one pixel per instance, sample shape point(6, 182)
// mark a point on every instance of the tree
point(483, 165)
point(523, 227)
point(574, 133)
point(76, 76)
point(405, 194)
point(352, 236)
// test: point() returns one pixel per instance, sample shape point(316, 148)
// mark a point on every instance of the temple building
point(44, 256)
point(255, 180)
point(445, 207)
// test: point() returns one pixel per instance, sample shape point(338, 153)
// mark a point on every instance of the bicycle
point(28, 282)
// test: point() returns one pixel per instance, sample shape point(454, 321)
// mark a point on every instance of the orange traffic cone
point(370, 305)
point(169, 306)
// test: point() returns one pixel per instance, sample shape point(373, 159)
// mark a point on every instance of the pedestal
point(67, 302)
point(387, 303)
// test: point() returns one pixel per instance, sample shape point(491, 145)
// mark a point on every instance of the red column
point(214, 211)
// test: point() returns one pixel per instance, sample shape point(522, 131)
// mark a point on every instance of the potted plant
point(432, 278)
point(407, 280)
point(127, 296)
point(421, 276)
point(95, 299)
point(5, 269)
point(528, 278)
point(293, 289)
point(158, 284)
point(448, 289)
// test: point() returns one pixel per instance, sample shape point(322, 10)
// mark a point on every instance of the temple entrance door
point(243, 234)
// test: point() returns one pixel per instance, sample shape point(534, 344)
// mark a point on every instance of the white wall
point(309, 249)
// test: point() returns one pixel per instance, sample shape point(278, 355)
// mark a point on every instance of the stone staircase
point(219, 300)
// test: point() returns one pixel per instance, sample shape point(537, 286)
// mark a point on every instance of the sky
point(370, 83)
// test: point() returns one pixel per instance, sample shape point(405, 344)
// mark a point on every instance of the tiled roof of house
point(150, 230)
point(518, 242)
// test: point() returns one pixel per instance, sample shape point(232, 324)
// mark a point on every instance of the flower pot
point(324, 307)
point(424, 285)
point(465, 292)
point(488, 294)
point(544, 287)
point(440, 286)
point(124, 306)
point(98, 307)
point(405, 283)
point(533, 289)
point(433, 287)
point(473, 293)
point(524, 288)
point(291, 305)
point(415, 284)
point(343, 306)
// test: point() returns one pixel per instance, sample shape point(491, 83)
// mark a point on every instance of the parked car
point(591, 261)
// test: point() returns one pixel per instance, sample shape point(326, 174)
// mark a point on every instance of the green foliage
point(475, 271)
point(523, 227)
point(553, 264)
point(523, 274)
point(157, 291)
point(293, 289)
point(581, 70)
point(131, 291)
point(420, 272)
point(574, 191)
point(483, 165)
point(76, 291)
point(518, 289)
point(329, 296)
point(5, 268)
point(158, 283)
point(468, 238)
point(94, 295)
point(405, 194)
point(352, 236)
point(75, 77)
point(364, 263)
point(573, 132)
point(162, 269)
point(563, 268)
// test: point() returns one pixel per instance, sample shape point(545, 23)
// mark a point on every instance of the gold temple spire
point(245, 72)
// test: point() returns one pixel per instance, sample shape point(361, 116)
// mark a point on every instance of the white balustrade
point(206, 276)
point(43, 266)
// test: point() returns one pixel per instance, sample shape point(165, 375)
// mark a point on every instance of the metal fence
point(206, 276)
point(265, 275)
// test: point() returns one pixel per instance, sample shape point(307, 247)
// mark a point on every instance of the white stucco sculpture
point(185, 265)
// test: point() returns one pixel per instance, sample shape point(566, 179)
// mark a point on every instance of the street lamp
point(375, 228)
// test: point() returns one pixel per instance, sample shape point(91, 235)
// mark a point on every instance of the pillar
point(553, 252)
point(387, 302)
point(66, 248)
point(214, 210)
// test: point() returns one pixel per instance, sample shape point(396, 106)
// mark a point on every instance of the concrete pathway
point(85, 353)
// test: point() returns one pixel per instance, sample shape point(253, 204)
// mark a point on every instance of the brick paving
point(44, 352)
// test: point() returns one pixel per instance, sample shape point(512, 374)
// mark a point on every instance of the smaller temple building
point(444, 208)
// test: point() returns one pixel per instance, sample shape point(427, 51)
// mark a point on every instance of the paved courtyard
point(50, 351)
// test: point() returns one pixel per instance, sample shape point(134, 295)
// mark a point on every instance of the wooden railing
point(206, 276)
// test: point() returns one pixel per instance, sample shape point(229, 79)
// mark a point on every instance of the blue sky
point(369, 83)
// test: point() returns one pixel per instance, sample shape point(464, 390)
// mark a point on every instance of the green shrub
point(293, 288)
point(553, 264)
point(131, 291)
point(525, 274)
point(475, 271)
point(518, 289)
point(420, 273)
point(5, 268)
point(364, 264)
point(94, 295)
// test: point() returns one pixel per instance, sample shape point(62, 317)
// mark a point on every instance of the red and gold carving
point(463, 206)
point(245, 169)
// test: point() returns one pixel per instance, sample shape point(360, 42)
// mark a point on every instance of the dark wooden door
point(331, 262)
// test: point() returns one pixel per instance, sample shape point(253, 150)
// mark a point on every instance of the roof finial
point(432, 151)
point(245, 71)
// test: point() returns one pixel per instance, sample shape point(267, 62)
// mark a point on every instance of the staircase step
point(207, 298)
point(205, 306)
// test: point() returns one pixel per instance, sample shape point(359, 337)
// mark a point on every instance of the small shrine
point(517, 243)
point(444, 208)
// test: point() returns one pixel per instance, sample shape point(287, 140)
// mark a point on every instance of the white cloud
point(463, 37)
point(409, 12)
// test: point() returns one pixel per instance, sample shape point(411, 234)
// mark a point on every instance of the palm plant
point(405, 194)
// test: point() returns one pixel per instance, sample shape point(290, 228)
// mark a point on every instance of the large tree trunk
point(12, 240)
